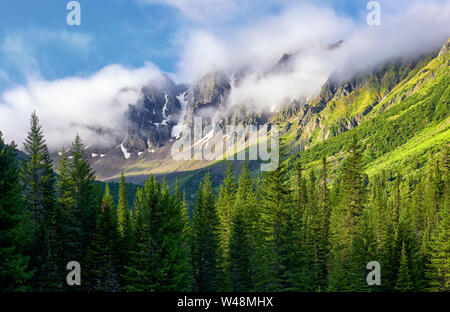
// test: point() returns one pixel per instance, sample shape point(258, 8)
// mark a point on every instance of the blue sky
point(112, 31)
point(36, 41)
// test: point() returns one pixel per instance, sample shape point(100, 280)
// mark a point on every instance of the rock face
point(207, 97)
point(151, 119)
point(445, 48)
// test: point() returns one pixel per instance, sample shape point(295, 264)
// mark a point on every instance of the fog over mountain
point(317, 41)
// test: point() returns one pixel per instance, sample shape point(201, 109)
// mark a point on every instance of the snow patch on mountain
point(176, 130)
point(124, 151)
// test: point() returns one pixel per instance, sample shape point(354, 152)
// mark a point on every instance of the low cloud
point(76, 105)
point(306, 31)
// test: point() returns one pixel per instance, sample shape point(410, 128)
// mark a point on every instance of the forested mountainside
point(364, 177)
point(389, 99)
point(399, 113)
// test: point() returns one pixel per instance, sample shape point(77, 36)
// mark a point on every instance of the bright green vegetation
point(405, 125)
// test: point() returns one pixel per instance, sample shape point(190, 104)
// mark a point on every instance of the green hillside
point(398, 126)
point(400, 114)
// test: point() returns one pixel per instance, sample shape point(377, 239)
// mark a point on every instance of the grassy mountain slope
point(399, 130)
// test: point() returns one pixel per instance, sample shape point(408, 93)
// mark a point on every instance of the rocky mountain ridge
point(163, 113)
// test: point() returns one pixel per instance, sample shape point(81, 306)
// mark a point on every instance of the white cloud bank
point(75, 105)
point(305, 30)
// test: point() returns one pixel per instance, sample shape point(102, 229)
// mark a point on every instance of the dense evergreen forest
point(290, 229)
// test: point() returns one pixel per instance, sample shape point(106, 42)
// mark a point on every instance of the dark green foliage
point(159, 261)
point(84, 194)
point(276, 226)
point(38, 180)
point(225, 205)
point(439, 265)
point(103, 257)
point(69, 223)
point(241, 251)
point(344, 220)
point(404, 280)
point(205, 240)
point(14, 271)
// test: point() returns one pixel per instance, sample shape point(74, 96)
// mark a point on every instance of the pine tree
point(205, 240)
point(364, 249)
point(144, 272)
point(159, 261)
point(134, 269)
point(176, 241)
point(38, 179)
point(404, 280)
point(353, 188)
point(323, 229)
point(122, 208)
point(385, 229)
point(124, 215)
point(300, 236)
point(14, 264)
point(225, 203)
point(102, 259)
point(311, 233)
point(345, 217)
point(82, 182)
point(69, 222)
point(239, 253)
point(439, 267)
point(242, 235)
point(275, 244)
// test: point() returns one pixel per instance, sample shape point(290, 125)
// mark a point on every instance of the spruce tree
point(301, 252)
point(385, 234)
point(134, 268)
point(438, 270)
point(124, 215)
point(275, 244)
point(323, 228)
point(102, 259)
point(38, 179)
point(242, 235)
point(176, 242)
point(159, 262)
point(345, 217)
point(122, 207)
point(14, 264)
point(69, 221)
point(404, 280)
point(239, 254)
point(205, 240)
point(145, 272)
point(82, 182)
point(225, 203)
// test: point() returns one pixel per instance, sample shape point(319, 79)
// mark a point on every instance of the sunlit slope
point(400, 130)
